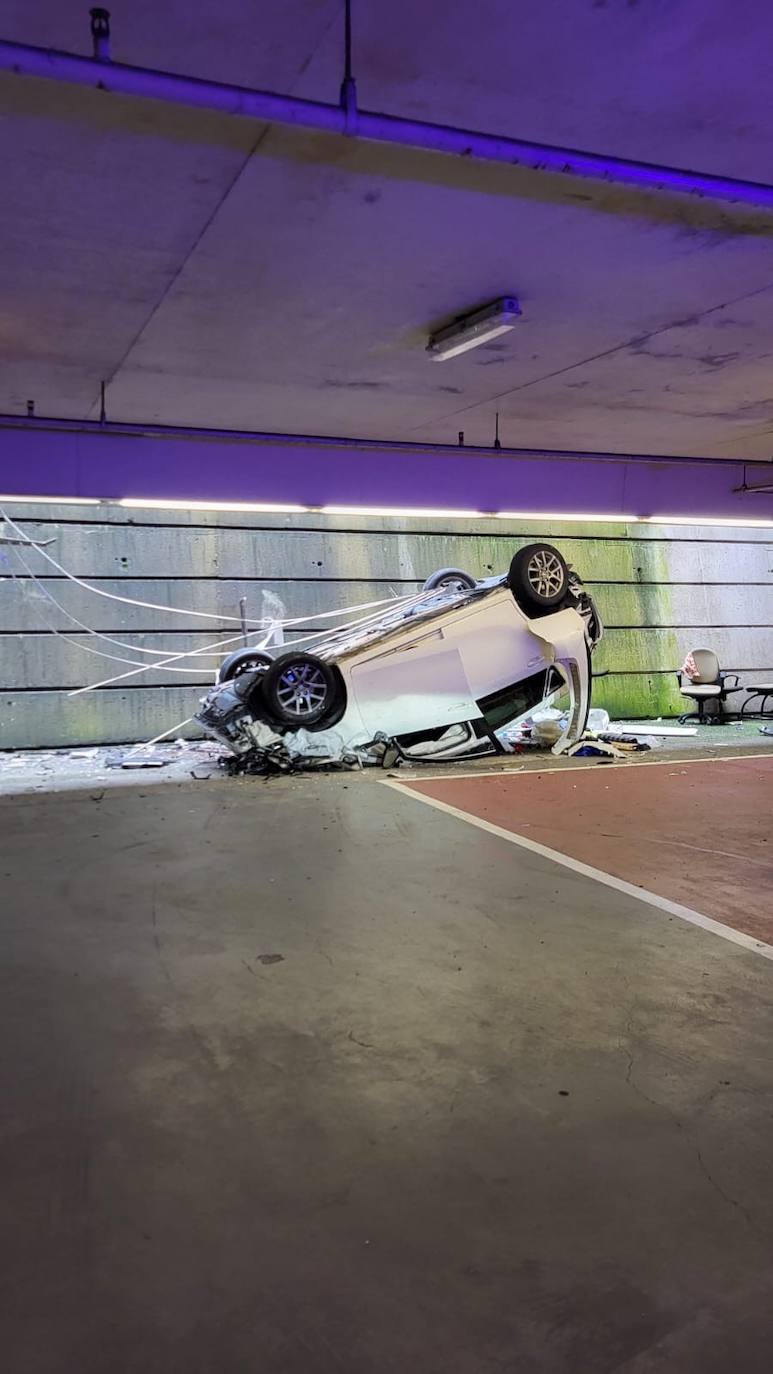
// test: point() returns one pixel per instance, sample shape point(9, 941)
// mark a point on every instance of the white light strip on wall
point(53, 500)
point(417, 512)
point(138, 503)
point(558, 515)
point(401, 512)
point(719, 521)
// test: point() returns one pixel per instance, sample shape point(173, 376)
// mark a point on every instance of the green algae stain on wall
point(640, 654)
point(626, 574)
point(638, 698)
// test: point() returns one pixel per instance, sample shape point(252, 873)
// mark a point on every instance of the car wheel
point(449, 577)
point(243, 661)
point(538, 578)
point(300, 690)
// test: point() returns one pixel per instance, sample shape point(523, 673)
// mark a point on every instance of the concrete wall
point(661, 591)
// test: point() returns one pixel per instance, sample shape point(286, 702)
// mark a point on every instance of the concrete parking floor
point(306, 1077)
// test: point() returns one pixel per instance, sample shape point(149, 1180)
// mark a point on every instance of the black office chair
point(711, 684)
point(756, 704)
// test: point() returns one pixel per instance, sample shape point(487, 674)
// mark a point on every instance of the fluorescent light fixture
point(139, 503)
point(470, 331)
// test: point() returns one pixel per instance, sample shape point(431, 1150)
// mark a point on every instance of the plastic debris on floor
point(543, 728)
point(138, 758)
point(43, 770)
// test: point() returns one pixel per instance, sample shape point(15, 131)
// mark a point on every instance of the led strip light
point(398, 512)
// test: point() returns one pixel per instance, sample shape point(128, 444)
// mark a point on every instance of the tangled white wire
point(179, 610)
point(214, 649)
point(48, 596)
point(192, 653)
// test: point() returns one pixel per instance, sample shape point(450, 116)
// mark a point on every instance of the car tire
point(539, 578)
point(449, 577)
point(243, 661)
point(301, 691)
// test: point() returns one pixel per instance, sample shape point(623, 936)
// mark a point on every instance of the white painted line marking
point(685, 913)
point(569, 766)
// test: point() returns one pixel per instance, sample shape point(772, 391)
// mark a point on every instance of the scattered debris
point(93, 766)
point(597, 746)
point(204, 760)
point(261, 763)
point(276, 760)
point(547, 726)
point(138, 758)
point(302, 751)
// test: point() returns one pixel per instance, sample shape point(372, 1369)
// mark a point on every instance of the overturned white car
point(439, 673)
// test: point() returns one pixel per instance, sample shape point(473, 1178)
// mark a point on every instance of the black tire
point(243, 661)
point(301, 691)
point(449, 577)
point(539, 578)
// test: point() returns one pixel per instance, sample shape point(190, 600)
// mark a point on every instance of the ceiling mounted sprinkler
point(100, 33)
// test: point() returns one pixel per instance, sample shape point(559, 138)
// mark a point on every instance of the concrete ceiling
point(219, 272)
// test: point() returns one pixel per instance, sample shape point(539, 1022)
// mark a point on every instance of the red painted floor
point(699, 833)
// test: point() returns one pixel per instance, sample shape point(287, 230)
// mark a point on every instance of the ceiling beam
point(73, 460)
point(345, 118)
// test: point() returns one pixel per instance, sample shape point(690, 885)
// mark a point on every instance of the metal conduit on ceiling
point(345, 118)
